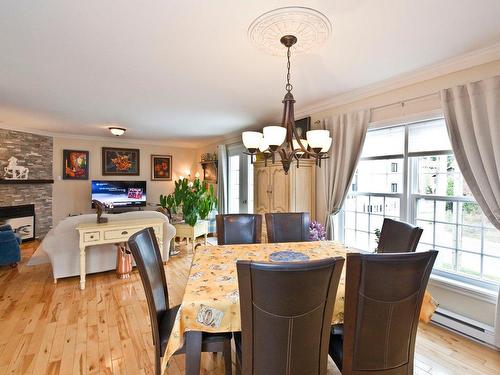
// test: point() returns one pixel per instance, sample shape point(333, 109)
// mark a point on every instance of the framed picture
point(303, 126)
point(209, 171)
point(161, 167)
point(120, 161)
point(75, 165)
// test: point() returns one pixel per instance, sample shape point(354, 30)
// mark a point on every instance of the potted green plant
point(192, 198)
point(377, 237)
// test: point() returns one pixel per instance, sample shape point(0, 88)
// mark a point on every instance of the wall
point(464, 303)
point(73, 197)
point(34, 152)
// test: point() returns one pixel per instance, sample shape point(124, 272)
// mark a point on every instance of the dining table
point(211, 298)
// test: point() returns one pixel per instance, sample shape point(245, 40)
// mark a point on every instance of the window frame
point(408, 201)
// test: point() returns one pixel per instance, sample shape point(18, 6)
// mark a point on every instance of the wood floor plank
point(42, 356)
point(48, 328)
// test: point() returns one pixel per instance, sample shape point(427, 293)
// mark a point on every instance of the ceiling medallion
point(311, 27)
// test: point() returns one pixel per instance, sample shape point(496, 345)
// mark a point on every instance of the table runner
point(211, 298)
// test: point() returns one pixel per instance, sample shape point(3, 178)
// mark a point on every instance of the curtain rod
point(402, 102)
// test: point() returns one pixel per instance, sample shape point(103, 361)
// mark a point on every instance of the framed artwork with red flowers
point(120, 161)
point(161, 167)
point(75, 165)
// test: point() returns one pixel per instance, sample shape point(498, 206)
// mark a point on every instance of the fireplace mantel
point(32, 181)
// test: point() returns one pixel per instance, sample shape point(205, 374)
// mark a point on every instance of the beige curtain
point(472, 114)
point(348, 132)
point(222, 179)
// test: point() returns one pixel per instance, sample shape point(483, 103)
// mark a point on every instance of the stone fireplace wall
point(35, 152)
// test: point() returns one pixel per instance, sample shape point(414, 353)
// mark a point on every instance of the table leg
point(193, 352)
point(206, 235)
point(193, 240)
point(82, 267)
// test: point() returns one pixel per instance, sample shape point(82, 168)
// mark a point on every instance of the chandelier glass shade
point(252, 140)
point(284, 141)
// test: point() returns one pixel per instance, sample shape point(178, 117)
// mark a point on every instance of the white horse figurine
point(14, 171)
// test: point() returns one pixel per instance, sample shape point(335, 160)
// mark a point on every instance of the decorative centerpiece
point(14, 171)
point(317, 232)
point(193, 198)
point(288, 256)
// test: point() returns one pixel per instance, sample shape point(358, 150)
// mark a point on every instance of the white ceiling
point(185, 70)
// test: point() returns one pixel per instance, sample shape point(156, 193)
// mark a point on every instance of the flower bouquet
point(317, 231)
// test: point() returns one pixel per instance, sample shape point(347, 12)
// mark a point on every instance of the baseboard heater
point(466, 326)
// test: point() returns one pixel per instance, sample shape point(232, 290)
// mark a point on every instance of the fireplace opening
point(21, 218)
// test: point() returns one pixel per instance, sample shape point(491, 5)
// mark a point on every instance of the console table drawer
point(124, 234)
point(119, 234)
point(91, 236)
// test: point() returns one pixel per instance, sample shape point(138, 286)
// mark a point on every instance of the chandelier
point(284, 141)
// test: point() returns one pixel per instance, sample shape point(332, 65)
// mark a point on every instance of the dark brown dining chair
point(146, 252)
point(398, 237)
point(286, 313)
point(383, 297)
point(287, 227)
point(235, 229)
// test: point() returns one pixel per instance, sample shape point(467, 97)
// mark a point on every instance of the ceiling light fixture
point(117, 131)
point(284, 140)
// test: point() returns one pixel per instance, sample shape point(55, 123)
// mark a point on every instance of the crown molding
point(230, 138)
point(134, 141)
point(454, 64)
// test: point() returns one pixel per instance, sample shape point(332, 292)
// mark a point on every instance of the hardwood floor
point(48, 328)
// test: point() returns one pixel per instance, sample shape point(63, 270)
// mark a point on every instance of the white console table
point(113, 232)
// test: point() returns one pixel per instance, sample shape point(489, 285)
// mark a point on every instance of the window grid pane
point(467, 245)
point(365, 213)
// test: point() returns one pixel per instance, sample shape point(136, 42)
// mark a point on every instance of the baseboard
point(480, 332)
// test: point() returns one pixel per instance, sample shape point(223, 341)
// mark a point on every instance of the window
point(409, 173)
point(240, 181)
point(234, 184)
point(374, 192)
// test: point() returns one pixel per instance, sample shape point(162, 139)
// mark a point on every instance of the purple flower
point(317, 231)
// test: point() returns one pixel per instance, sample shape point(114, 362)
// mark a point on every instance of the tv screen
point(116, 194)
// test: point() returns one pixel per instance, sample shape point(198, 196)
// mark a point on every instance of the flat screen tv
point(117, 194)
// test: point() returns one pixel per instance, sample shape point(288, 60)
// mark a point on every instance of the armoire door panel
point(302, 193)
point(261, 190)
point(280, 184)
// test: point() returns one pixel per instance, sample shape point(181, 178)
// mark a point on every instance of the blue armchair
point(10, 252)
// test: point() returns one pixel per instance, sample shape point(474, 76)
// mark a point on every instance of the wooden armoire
point(275, 191)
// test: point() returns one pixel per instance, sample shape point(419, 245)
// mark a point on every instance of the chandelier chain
point(288, 86)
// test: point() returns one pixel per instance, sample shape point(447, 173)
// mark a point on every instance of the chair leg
point(158, 365)
point(13, 265)
point(238, 366)
point(193, 352)
point(228, 365)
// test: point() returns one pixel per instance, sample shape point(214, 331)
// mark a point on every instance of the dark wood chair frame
point(275, 233)
point(221, 228)
point(352, 309)
point(398, 237)
point(245, 358)
point(196, 341)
